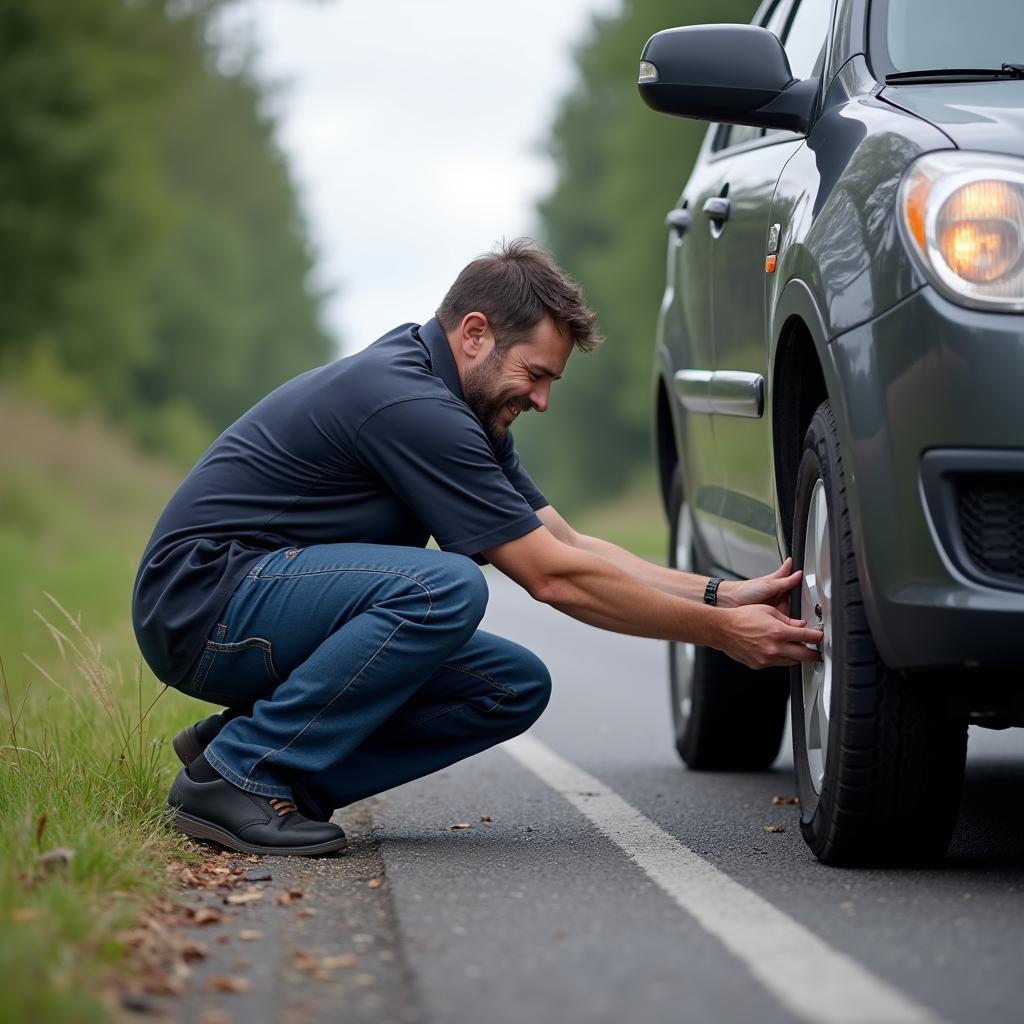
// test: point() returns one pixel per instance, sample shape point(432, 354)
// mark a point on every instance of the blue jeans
point(363, 668)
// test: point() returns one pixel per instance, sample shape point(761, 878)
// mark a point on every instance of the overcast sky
point(415, 132)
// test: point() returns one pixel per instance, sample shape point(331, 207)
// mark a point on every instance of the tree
point(151, 243)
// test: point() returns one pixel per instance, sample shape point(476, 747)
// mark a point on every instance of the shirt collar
point(442, 361)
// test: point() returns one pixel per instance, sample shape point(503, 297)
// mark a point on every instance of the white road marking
point(814, 981)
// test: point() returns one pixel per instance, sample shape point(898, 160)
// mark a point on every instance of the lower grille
point(991, 513)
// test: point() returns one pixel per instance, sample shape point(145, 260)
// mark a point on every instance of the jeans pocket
point(234, 674)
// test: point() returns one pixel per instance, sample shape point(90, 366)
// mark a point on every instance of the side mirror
point(733, 74)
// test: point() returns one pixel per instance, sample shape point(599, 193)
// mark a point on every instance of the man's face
point(507, 383)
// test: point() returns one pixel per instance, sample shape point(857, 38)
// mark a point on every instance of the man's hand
point(759, 636)
point(769, 590)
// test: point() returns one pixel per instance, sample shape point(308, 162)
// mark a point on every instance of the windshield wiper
point(956, 74)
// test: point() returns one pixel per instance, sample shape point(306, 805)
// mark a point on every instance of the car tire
point(726, 717)
point(879, 756)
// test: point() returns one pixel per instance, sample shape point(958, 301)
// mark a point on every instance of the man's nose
point(539, 396)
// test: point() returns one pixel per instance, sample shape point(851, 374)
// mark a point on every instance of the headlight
point(963, 214)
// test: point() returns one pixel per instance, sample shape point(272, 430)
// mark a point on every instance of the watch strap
point(711, 590)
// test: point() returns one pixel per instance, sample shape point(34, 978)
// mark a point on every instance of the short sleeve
point(434, 455)
point(517, 476)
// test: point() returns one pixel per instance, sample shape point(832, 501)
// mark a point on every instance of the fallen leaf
point(783, 801)
point(375, 883)
point(58, 857)
point(251, 896)
point(296, 894)
point(303, 961)
point(773, 828)
point(339, 960)
point(250, 934)
point(461, 824)
point(158, 983)
point(485, 817)
point(230, 983)
point(207, 915)
point(223, 937)
point(192, 950)
point(282, 899)
point(243, 962)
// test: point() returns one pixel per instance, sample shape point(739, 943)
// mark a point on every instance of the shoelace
point(282, 807)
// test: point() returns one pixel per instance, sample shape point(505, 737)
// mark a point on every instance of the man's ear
point(474, 335)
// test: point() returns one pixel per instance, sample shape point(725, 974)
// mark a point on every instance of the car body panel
point(984, 116)
point(928, 375)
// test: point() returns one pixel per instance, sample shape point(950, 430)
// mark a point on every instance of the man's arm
point(770, 590)
point(597, 591)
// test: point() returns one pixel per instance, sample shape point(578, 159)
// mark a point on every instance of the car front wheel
point(879, 756)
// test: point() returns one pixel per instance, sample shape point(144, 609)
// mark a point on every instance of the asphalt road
point(612, 885)
point(545, 914)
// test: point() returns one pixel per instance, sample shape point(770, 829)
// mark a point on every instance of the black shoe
point(192, 741)
point(246, 822)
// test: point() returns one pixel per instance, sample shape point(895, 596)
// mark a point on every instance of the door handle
point(717, 209)
point(679, 221)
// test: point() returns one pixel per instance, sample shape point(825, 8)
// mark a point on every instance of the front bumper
point(931, 402)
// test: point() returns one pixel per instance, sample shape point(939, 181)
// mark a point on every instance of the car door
point(686, 324)
point(743, 429)
point(687, 338)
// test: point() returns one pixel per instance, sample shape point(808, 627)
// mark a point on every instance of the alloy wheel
point(816, 609)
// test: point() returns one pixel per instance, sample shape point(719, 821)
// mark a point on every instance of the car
point(839, 377)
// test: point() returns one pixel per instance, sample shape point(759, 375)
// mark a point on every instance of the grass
point(635, 521)
point(84, 759)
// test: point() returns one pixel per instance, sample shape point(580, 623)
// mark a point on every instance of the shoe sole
point(186, 745)
point(198, 828)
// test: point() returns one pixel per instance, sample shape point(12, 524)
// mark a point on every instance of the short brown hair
point(514, 286)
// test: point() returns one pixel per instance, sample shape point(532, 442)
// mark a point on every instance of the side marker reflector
point(769, 264)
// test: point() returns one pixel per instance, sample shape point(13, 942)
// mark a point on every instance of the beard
point(482, 392)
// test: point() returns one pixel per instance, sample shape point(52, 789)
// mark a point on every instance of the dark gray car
point(840, 377)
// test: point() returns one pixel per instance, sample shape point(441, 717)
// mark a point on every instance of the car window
point(805, 35)
point(773, 18)
point(937, 34)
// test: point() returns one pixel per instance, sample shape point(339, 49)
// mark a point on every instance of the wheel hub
point(684, 654)
point(816, 608)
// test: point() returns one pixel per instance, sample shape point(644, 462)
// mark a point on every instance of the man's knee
point(532, 688)
point(463, 591)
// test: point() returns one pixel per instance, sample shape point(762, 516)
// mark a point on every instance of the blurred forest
point(153, 259)
point(620, 168)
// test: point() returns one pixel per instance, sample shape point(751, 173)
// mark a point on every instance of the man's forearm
point(669, 581)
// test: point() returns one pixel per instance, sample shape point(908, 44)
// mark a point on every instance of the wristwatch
point(711, 590)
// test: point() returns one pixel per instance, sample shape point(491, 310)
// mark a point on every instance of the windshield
point(926, 34)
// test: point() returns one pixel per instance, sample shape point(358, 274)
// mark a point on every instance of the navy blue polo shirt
point(377, 448)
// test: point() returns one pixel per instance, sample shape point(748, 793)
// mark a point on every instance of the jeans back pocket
point(233, 674)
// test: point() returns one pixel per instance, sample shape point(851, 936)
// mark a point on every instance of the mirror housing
point(732, 74)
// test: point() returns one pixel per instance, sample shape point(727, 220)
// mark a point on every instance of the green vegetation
point(634, 520)
point(76, 507)
point(621, 167)
point(154, 261)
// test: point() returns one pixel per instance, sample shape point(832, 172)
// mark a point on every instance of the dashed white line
point(814, 981)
